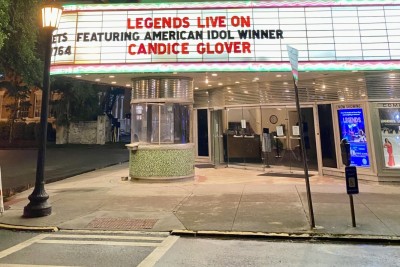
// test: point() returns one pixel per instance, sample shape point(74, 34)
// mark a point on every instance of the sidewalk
point(225, 200)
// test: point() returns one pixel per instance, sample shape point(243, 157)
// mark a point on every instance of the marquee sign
point(143, 36)
point(124, 36)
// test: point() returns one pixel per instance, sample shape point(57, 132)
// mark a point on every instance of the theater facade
point(212, 82)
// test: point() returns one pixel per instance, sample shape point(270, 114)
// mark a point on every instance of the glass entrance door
point(217, 146)
point(268, 138)
point(243, 137)
point(282, 151)
point(202, 133)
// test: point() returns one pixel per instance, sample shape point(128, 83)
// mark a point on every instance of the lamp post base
point(38, 206)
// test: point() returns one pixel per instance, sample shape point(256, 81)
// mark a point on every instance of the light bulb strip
point(228, 4)
point(246, 67)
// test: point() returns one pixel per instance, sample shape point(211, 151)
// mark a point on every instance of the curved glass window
point(161, 123)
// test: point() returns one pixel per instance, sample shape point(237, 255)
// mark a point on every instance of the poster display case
point(389, 117)
point(352, 128)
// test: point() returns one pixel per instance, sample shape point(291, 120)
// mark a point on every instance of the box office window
point(157, 123)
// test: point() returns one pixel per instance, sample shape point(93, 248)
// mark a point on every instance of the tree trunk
point(13, 117)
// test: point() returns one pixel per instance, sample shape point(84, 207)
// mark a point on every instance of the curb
point(291, 236)
point(28, 228)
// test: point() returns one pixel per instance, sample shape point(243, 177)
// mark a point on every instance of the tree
point(79, 100)
point(4, 18)
point(19, 60)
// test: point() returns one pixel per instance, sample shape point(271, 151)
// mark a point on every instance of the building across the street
point(212, 81)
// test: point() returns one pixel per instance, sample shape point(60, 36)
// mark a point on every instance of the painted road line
point(153, 257)
point(165, 234)
point(108, 237)
point(29, 265)
point(106, 243)
point(22, 245)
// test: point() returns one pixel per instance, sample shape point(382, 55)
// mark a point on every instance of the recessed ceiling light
point(111, 76)
point(97, 80)
point(323, 86)
point(113, 82)
point(360, 80)
point(256, 78)
point(237, 82)
point(354, 71)
point(78, 76)
point(278, 75)
point(174, 72)
point(228, 88)
point(206, 81)
point(392, 76)
point(220, 84)
point(209, 85)
point(128, 84)
point(196, 88)
point(246, 92)
point(214, 74)
point(285, 83)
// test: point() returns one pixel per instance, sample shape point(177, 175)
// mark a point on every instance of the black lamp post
point(38, 205)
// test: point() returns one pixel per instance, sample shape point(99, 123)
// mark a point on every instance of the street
point(118, 248)
point(18, 167)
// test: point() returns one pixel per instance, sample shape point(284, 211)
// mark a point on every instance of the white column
point(116, 107)
point(122, 108)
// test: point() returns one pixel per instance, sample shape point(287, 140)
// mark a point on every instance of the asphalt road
point(145, 249)
point(18, 167)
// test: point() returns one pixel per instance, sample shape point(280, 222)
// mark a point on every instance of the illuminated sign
point(390, 129)
point(250, 37)
point(352, 128)
point(140, 36)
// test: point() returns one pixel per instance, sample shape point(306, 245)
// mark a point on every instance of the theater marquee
point(143, 36)
point(239, 36)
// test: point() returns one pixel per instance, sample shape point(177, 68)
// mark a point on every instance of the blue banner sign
point(352, 127)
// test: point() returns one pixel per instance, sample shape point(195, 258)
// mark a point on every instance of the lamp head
point(51, 15)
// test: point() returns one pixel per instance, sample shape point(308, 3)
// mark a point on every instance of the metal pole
point(303, 149)
point(353, 215)
point(1, 196)
point(38, 205)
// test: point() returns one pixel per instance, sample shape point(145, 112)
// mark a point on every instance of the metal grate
point(122, 223)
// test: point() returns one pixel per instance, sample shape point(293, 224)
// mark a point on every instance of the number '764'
point(61, 50)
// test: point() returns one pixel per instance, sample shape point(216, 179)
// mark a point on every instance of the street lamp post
point(38, 205)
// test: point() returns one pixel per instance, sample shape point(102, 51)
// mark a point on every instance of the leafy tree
point(79, 101)
point(19, 60)
point(4, 18)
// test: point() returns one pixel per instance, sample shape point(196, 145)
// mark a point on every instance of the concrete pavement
point(224, 200)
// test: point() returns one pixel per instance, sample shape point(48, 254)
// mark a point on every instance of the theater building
point(212, 82)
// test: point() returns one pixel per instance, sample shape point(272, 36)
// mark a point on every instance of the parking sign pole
point(353, 215)
point(304, 155)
